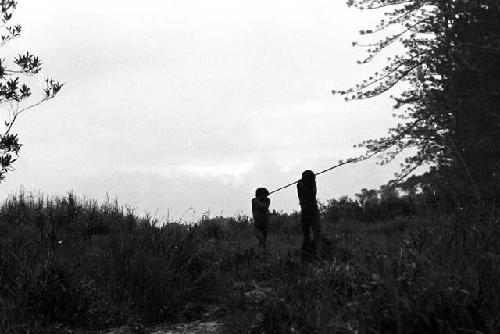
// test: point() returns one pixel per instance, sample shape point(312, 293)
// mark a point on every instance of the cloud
point(174, 104)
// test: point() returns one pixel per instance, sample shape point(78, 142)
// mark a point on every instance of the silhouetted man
point(309, 216)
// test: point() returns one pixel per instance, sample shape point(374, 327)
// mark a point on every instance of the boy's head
point(261, 192)
point(308, 176)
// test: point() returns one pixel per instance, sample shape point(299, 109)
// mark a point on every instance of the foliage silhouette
point(68, 263)
point(14, 92)
point(450, 68)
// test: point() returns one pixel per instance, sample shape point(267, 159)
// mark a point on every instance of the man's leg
point(316, 228)
point(306, 227)
point(307, 244)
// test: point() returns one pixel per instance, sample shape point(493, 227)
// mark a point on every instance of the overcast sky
point(170, 105)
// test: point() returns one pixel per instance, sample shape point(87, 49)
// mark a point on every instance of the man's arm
point(261, 203)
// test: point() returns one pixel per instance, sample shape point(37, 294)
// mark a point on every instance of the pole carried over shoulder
point(341, 163)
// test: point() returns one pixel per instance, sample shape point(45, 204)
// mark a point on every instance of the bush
point(80, 263)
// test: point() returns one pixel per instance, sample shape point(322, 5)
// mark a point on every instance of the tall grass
point(80, 263)
point(67, 263)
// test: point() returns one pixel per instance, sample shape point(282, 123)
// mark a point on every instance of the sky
point(178, 108)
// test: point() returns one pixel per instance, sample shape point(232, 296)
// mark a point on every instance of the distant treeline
point(373, 205)
point(431, 193)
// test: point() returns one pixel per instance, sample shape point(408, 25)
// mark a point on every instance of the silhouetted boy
point(309, 215)
point(260, 212)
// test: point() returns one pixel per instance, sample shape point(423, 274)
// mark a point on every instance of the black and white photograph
point(261, 167)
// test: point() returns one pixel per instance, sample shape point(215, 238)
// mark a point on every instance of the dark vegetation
point(16, 93)
point(66, 263)
point(448, 108)
point(419, 256)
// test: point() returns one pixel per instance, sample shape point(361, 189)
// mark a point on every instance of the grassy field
point(73, 265)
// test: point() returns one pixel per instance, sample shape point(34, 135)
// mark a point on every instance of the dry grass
point(67, 264)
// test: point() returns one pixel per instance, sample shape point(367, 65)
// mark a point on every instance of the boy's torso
point(260, 212)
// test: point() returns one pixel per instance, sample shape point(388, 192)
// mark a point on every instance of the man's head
point(308, 177)
point(261, 192)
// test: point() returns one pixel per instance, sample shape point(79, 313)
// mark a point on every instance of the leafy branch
point(13, 91)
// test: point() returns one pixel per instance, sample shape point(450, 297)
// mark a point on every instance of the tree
point(367, 197)
point(451, 64)
point(15, 93)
